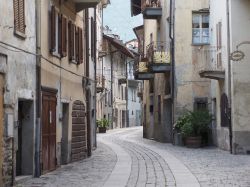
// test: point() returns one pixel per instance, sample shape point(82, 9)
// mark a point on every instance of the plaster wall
point(54, 76)
point(19, 70)
point(240, 29)
point(188, 85)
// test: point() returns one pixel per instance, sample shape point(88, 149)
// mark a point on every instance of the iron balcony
point(151, 9)
point(159, 57)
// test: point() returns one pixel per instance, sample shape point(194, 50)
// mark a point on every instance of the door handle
point(50, 116)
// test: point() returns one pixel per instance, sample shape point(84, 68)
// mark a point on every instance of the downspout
point(89, 146)
point(229, 79)
point(38, 90)
point(127, 112)
point(112, 102)
point(95, 63)
point(172, 39)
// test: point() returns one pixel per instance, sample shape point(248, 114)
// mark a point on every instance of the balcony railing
point(159, 57)
point(151, 9)
point(210, 62)
point(82, 4)
point(100, 83)
point(141, 69)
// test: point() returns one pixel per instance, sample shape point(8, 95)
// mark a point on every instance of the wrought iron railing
point(209, 58)
point(141, 65)
point(150, 4)
point(100, 81)
point(159, 52)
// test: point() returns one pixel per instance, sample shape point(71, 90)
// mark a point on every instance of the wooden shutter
point(53, 29)
point(76, 44)
point(59, 30)
point(71, 42)
point(92, 37)
point(64, 36)
point(80, 46)
point(19, 15)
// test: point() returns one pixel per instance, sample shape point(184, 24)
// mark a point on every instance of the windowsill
point(20, 34)
point(200, 44)
point(74, 62)
point(56, 54)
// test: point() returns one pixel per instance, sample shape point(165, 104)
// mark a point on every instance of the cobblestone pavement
point(123, 155)
point(91, 172)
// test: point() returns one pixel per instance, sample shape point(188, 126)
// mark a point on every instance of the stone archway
point(79, 132)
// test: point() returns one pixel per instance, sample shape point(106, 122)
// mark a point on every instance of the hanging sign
point(237, 55)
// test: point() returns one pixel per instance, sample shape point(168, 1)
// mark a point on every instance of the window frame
point(201, 13)
point(17, 22)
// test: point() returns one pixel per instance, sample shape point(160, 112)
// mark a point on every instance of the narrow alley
point(124, 158)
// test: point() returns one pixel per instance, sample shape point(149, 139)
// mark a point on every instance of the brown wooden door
point(48, 131)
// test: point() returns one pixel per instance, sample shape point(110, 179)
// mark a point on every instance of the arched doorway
point(79, 132)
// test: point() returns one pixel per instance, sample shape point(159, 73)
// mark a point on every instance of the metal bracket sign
point(237, 55)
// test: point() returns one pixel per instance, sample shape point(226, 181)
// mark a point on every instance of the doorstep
point(21, 179)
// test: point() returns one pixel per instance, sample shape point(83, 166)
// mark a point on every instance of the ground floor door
point(25, 140)
point(48, 130)
point(79, 148)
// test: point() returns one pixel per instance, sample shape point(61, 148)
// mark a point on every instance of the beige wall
point(69, 85)
point(188, 84)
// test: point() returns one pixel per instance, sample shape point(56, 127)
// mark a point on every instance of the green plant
point(102, 123)
point(186, 118)
point(195, 123)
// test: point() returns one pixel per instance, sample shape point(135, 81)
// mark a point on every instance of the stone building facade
point(18, 89)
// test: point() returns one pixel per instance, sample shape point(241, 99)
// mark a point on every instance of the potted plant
point(102, 125)
point(196, 125)
point(178, 138)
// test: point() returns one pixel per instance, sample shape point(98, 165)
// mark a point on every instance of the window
point(219, 44)
point(201, 104)
point(65, 37)
point(200, 28)
point(19, 17)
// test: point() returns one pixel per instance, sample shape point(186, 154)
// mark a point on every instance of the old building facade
point(229, 28)
point(18, 89)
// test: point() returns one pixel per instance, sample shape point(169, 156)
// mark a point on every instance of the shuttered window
point(77, 44)
point(71, 38)
point(53, 29)
point(80, 46)
point(19, 16)
point(64, 37)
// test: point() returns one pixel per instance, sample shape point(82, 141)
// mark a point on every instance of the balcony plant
point(193, 126)
point(102, 125)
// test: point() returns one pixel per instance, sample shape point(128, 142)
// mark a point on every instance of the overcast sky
point(117, 16)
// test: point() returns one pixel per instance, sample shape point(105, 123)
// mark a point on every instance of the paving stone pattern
point(150, 164)
point(91, 172)
point(211, 166)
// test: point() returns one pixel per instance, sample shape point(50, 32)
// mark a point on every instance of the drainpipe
point(172, 44)
point(229, 79)
point(38, 90)
point(112, 102)
point(127, 112)
point(95, 64)
point(89, 146)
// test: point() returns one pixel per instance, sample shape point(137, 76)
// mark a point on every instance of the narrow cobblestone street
point(124, 158)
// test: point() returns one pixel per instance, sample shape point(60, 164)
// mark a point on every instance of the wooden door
point(48, 131)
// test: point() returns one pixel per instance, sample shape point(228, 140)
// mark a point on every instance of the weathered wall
point(188, 85)
point(20, 78)
point(57, 78)
point(240, 29)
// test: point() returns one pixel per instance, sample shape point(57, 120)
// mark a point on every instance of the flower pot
point(102, 129)
point(193, 142)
